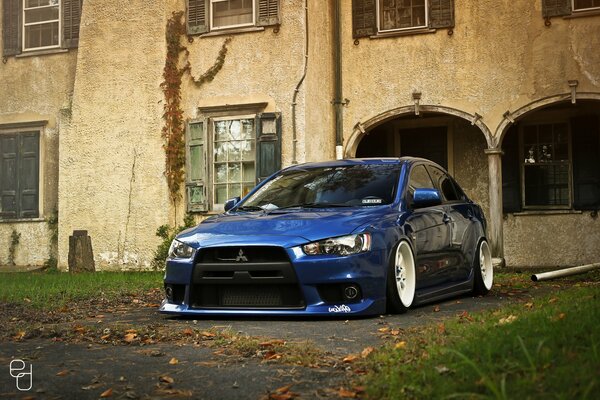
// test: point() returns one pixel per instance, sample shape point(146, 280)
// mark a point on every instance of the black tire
point(483, 269)
point(401, 279)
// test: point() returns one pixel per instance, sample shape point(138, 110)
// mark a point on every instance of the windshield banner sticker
point(340, 309)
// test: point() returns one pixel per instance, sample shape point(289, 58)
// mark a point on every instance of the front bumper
point(309, 274)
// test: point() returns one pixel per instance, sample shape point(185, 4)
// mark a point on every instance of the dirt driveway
point(131, 352)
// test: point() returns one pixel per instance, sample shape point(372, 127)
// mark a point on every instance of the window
point(384, 17)
point(419, 179)
point(401, 14)
point(204, 16)
point(231, 13)
point(41, 24)
point(546, 165)
point(31, 25)
point(584, 5)
point(445, 184)
point(19, 174)
point(227, 155)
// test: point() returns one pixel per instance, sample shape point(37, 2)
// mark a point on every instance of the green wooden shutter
point(8, 176)
point(555, 8)
point(71, 10)
point(441, 13)
point(585, 139)
point(197, 13)
point(364, 19)
point(267, 12)
point(11, 27)
point(511, 172)
point(29, 156)
point(268, 145)
point(196, 185)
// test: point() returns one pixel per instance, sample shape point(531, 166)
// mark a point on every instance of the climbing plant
point(173, 130)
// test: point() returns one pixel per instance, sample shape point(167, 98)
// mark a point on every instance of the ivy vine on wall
point(173, 131)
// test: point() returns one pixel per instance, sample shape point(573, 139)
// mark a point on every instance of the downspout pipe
point(564, 272)
point(337, 70)
point(297, 89)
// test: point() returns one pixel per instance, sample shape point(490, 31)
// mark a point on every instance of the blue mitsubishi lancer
point(360, 236)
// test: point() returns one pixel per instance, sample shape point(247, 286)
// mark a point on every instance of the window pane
point(40, 3)
point(248, 150)
point(547, 185)
point(583, 4)
point(221, 194)
point(234, 173)
point(43, 35)
point(221, 173)
point(232, 13)
point(235, 150)
point(41, 14)
point(234, 191)
point(221, 152)
point(249, 173)
point(401, 14)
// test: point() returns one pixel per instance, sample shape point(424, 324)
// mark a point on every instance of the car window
point(419, 179)
point(346, 185)
point(443, 183)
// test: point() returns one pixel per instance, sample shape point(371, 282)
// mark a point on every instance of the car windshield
point(339, 186)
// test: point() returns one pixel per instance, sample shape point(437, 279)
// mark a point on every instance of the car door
point(458, 209)
point(430, 231)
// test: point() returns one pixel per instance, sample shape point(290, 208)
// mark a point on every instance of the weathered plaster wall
point(36, 88)
point(551, 240)
point(111, 157)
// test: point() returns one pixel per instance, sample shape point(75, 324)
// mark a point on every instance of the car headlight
point(180, 250)
point(340, 246)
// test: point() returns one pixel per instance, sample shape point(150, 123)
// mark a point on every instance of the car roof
point(360, 161)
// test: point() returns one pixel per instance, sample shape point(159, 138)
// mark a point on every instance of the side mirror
point(229, 204)
point(426, 198)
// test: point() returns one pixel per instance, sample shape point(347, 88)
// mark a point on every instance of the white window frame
point(213, 205)
point(420, 27)
point(25, 25)
point(576, 10)
point(211, 15)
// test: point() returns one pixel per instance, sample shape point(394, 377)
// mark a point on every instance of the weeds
point(167, 234)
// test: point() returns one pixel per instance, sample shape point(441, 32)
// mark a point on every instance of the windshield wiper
point(313, 205)
point(249, 208)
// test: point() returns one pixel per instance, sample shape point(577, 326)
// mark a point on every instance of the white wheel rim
point(485, 265)
point(404, 273)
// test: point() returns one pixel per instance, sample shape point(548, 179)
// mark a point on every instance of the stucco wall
point(36, 88)
point(111, 157)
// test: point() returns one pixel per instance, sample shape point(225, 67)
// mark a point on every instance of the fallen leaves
point(166, 379)
point(400, 345)
point(282, 393)
point(507, 320)
point(64, 372)
point(107, 393)
point(19, 335)
point(173, 361)
point(366, 351)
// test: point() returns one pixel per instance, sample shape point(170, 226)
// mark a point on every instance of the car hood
point(286, 228)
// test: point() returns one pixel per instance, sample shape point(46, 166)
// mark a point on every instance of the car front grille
point(245, 277)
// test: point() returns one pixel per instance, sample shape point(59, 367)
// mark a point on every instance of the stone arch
point(534, 106)
point(361, 128)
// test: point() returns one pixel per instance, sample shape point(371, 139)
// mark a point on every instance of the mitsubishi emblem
point(241, 257)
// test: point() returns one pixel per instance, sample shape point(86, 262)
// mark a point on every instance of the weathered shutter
point(268, 12)
point(364, 19)
point(196, 185)
point(268, 145)
point(585, 139)
point(11, 27)
point(29, 156)
point(441, 13)
point(8, 176)
point(71, 19)
point(555, 8)
point(511, 167)
point(197, 12)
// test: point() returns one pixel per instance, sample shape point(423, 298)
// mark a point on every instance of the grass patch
point(548, 348)
point(54, 290)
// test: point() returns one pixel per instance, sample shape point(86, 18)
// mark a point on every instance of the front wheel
point(402, 279)
point(483, 269)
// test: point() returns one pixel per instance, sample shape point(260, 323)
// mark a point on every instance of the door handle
point(446, 219)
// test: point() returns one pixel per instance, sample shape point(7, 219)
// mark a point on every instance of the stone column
point(495, 218)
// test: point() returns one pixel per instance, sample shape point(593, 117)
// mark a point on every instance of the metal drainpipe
point(337, 67)
point(294, 134)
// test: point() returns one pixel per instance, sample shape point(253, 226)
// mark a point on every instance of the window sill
point(546, 212)
point(419, 31)
point(41, 53)
point(581, 14)
point(21, 220)
point(233, 31)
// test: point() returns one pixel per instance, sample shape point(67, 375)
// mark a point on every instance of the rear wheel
point(483, 269)
point(402, 279)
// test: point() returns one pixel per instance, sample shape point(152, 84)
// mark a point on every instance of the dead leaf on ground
point(528, 305)
point(366, 351)
point(271, 355)
point(130, 337)
point(187, 332)
point(400, 345)
point(173, 361)
point(436, 309)
point(19, 335)
point(441, 328)
point(347, 394)
point(562, 315)
point(271, 343)
point(384, 329)
point(106, 393)
point(507, 320)
point(166, 379)
point(395, 332)
point(350, 358)
point(553, 300)
point(64, 372)
point(207, 334)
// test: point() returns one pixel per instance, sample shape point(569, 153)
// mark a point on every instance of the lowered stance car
point(359, 236)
